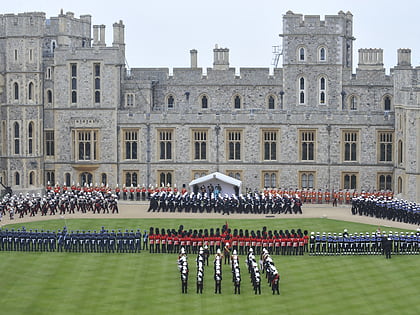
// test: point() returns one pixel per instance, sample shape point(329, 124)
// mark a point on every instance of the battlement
point(371, 59)
point(22, 24)
point(301, 24)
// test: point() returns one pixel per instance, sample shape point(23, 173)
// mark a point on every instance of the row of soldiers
point(225, 204)
point(293, 242)
point(403, 243)
point(53, 203)
point(387, 208)
point(103, 241)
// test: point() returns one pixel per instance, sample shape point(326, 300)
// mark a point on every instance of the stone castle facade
point(72, 112)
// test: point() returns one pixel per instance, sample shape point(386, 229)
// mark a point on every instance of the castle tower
point(22, 100)
point(317, 54)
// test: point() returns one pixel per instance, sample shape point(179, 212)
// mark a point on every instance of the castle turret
point(404, 57)
point(371, 59)
point(221, 58)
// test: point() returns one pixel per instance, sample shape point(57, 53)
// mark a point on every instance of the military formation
point(103, 241)
point(387, 208)
point(374, 243)
point(277, 242)
point(58, 203)
point(255, 203)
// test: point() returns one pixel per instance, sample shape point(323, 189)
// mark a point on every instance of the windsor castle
point(72, 112)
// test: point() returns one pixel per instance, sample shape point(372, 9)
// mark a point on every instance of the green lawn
point(73, 283)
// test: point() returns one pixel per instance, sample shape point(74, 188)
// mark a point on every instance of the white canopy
point(227, 183)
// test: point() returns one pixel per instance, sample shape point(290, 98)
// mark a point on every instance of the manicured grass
point(75, 283)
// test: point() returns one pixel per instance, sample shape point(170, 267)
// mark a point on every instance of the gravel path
point(138, 210)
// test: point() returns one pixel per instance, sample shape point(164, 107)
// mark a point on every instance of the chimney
point(404, 57)
point(102, 35)
point(95, 34)
point(193, 53)
point(118, 33)
point(221, 58)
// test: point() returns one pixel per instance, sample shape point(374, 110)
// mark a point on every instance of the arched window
point(104, 179)
point(30, 137)
point(17, 179)
point(400, 185)
point(302, 54)
point(32, 178)
point(353, 102)
point(322, 54)
point(16, 136)
point(204, 101)
point(67, 179)
point(30, 91)
point(302, 90)
point(170, 102)
point(387, 103)
point(49, 96)
point(237, 102)
point(322, 90)
point(400, 152)
point(16, 91)
point(271, 102)
point(86, 178)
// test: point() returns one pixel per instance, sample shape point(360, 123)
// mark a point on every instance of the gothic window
point(302, 92)
point(49, 143)
point(400, 185)
point(400, 152)
point(165, 144)
point(235, 174)
point(86, 179)
point(385, 181)
point(104, 179)
point(97, 82)
point(131, 178)
point(17, 179)
point(200, 144)
point(131, 144)
point(49, 97)
point(234, 145)
point(32, 178)
point(16, 137)
point(350, 144)
point(204, 102)
point(170, 102)
point(50, 177)
point(73, 78)
point(301, 54)
point(271, 102)
point(16, 91)
point(129, 100)
point(30, 137)
point(85, 145)
point(270, 179)
point(385, 146)
point(353, 102)
point(30, 91)
point(322, 54)
point(270, 145)
point(67, 179)
point(387, 103)
point(307, 145)
point(322, 90)
point(349, 180)
point(237, 102)
point(165, 178)
point(307, 180)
